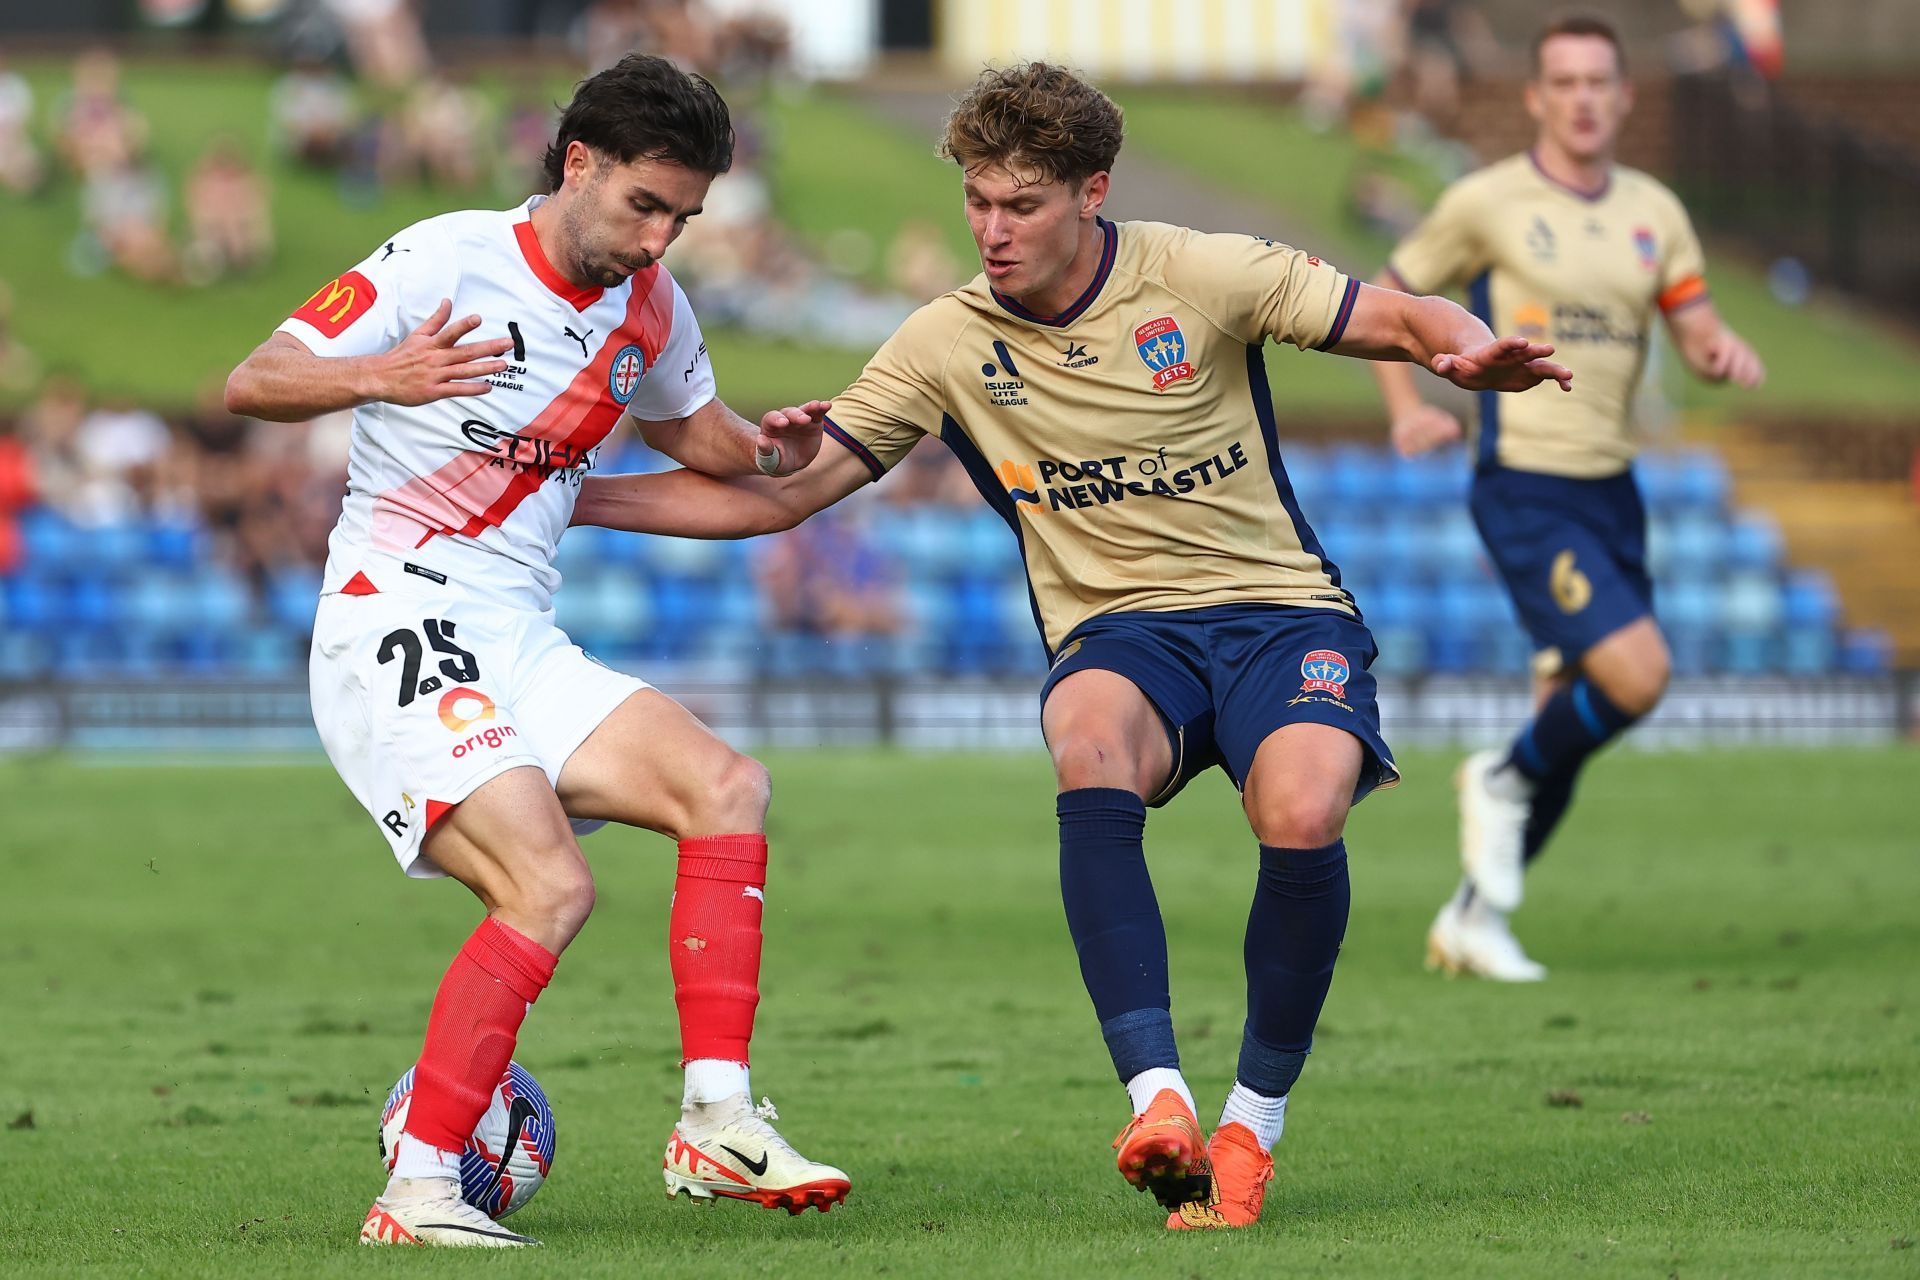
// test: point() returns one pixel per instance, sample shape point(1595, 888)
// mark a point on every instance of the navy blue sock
point(1544, 811)
point(1115, 922)
point(1575, 722)
point(1294, 931)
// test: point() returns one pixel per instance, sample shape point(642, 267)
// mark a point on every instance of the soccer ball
point(511, 1150)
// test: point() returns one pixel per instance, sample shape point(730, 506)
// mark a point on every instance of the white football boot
point(1475, 940)
point(728, 1149)
point(1493, 832)
point(429, 1211)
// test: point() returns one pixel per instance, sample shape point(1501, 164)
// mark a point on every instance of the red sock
point(470, 1033)
point(714, 943)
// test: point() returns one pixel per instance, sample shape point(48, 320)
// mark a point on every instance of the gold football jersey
point(1582, 271)
point(1130, 441)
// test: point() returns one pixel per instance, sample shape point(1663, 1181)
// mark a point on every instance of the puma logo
point(391, 251)
point(580, 338)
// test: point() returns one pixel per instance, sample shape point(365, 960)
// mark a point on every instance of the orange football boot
point(1241, 1172)
point(1161, 1151)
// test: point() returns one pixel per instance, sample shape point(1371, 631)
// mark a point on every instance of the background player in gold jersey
point(1104, 386)
point(1564, 246)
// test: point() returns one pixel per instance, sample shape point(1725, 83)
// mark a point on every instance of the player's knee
point(1304, 818)
point(731, 795)
point(552, 896)
point(1637, 688)
point(1101, 759)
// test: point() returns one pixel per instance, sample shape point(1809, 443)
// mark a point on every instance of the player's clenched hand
point(1423, 428)
point(431, 363)
point(1505, 364)
point(1730, 359)
point(790, 438)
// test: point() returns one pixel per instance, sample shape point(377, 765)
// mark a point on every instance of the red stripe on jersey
point(561, 287)
point(436, 810)
point(479, 490)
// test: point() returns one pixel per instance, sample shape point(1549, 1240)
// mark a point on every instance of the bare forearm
point(713, 439)
point(1397, 388)
point(1390, 325)
point(285, 384)
point(1437, 327)
point(685, 504)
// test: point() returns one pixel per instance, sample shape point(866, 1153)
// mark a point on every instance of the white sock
point(1509, 783)
point(713, 1080)
point(1482, 912)
point(1265, 1116)
point(1142, 1089)
point(417, 1159)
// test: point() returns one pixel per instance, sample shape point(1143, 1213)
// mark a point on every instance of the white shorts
point(421, 698)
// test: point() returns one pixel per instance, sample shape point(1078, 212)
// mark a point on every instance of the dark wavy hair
point(1039, 117)
point(643, 107)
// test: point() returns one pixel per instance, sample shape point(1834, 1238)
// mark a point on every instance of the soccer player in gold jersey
point(1564, 246)
point(1104, 386)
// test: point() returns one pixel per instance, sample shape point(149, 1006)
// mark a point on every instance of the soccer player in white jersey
point(478, 738)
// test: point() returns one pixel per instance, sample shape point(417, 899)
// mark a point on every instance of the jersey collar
point(1080, 304)
point(571, 294)
point(1591, 197)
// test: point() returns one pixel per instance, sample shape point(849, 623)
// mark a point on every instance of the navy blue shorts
point(1225, 678)
point(1573, 554)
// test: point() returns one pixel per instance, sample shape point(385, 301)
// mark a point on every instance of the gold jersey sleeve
point(1589, 272)
point(898, 397)
point(1257, 289)
point(1131, 441)
point(1445, 250)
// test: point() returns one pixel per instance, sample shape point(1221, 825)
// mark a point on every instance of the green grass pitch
point(211, 975)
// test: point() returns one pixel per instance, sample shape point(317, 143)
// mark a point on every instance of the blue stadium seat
point(49, 541)
point(1359, 477)
point(1866, 651)
point(175, 544)
point(1702, 482)
point(1807, 652)
point(24, 655)
point(1755, 543)
point(221, 600)
point(292, 595)
point(120, 545)
point(1307, 472)
point(1809, 603)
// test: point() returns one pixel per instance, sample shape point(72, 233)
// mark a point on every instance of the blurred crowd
point(258, 500)
point(361, 100)
point(101, 143)
point(265, 493)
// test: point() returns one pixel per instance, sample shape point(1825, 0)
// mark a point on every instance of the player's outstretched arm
point(1414, 425)
point(1713, 351)
point(718, 441)
point(1447, 339)
point(691, 504)
point(283, 381)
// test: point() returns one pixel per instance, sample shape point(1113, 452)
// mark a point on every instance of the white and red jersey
point(475, 491)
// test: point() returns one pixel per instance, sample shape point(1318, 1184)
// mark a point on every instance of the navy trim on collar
point(1107, 254)
point(1591, 197)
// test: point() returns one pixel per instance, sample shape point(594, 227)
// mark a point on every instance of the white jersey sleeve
point(681, 379)
point(390, 293)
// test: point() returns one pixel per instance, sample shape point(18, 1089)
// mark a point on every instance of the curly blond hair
point(1037, 118)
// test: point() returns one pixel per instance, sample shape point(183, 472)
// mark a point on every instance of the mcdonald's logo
point(338, 303)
